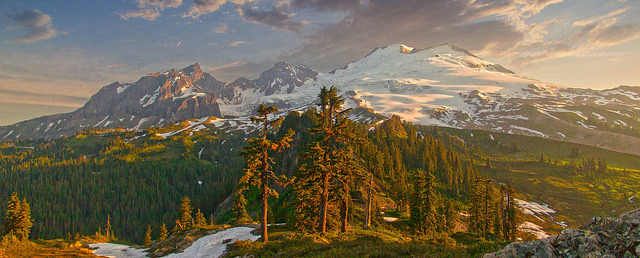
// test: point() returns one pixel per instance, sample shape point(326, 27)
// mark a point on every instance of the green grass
point(376, 242)
point(44, 248)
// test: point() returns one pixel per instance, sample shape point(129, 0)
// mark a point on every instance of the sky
point(55, 54)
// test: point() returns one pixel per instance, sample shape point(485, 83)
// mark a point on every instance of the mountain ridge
point(443, 85)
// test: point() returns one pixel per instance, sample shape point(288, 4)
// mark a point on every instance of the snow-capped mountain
point(162, 98)
point(442, 85)
point(448, 86)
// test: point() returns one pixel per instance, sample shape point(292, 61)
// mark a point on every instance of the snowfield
point(208, 246)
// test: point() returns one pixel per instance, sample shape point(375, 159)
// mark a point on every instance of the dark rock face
point(155, 99)
point(602, 237)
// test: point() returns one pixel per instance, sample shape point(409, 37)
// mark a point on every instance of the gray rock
point(602, 237)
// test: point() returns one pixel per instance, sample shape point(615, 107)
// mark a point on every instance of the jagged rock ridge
point(602, 237)
point(442, 85)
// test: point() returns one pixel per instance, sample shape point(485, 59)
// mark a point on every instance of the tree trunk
point(263, 217)
point(368, 223)
point(324, 203)
point(345, 214)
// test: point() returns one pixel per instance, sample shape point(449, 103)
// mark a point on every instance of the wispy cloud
point(221, 29)
point(275, 18)
point(38, 26)
point(150, 9)
point(592, 34)
point(202, 7)
point(237, 43)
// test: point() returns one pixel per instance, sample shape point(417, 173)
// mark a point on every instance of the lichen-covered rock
point(601, 237)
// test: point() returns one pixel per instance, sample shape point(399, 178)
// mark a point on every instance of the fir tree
point(330, 162)
point(423, 202)
point(18, 217)
point(12, 213)
point(185, 213)
point(200, 220)
point(147, 236)
point(259, 171)
point(163, 232)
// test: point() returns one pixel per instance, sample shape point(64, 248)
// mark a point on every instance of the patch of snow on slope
point(529, 130)
point(585, 125)
point(191, 125)
point(104, 119)
point(147, 100)
point(188, 92)
point(140, 123)
point(600, 117)
point(533, 229)
point(114, 250)
point(122, 88)
point(535, 209)
point(212, 246)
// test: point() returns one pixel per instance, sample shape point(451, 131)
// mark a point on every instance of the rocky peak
point(283, 77)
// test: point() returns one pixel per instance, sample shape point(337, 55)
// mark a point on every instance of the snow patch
point(212, 246)
point(390, 219)
point(114, 250)
point(533, 229)
point(122, 88)
point(140, 123)
point(104, 119)
point(529, 130)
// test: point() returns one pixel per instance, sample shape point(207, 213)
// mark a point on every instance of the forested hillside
point(137, 178)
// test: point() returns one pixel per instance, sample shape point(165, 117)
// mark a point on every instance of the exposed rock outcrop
point(602, 237)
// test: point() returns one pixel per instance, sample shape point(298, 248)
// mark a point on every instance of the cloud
point(150, 9)
point(417, 23)
point(237, 43)
point(234, 70)
point(149, 14)
point(222, 29)
point(592, 34)
point(275, 19)
point(329, 5)
point(38, 26)
point(599, 18)
point(202, 7)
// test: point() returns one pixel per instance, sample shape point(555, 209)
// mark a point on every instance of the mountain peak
point(454, 48)
point(192, 68)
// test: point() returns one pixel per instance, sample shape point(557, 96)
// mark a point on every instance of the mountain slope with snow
point(448, 86)
point(442, 85)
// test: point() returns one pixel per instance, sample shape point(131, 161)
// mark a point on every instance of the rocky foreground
point(602, 237)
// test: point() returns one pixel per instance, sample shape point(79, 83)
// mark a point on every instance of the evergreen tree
point(511, 215)
point(12, 213)
point(330, 162)
point(482, 206)
point(18, 217)
point(200, 220)
point(107, 228)
point(259, 171)
point(147, 236)
point(163, 232)
point(423, 202)
point(185, 213)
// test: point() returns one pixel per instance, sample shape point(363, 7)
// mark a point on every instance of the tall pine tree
point(259, 171)
point(330, 162)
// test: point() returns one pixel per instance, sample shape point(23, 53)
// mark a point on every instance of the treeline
point(75, 183)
